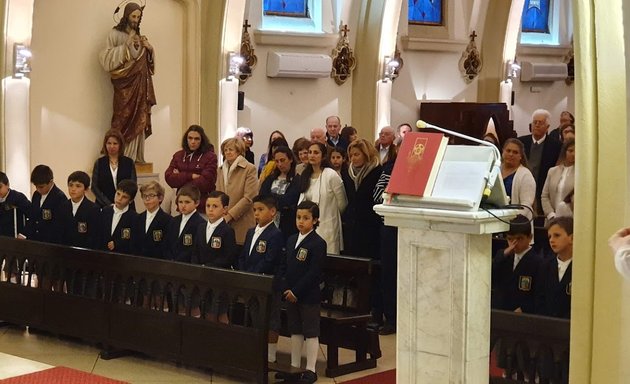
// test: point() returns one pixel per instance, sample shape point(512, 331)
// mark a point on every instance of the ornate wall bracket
point(344, 61)
point(470, 63)
point(249, 57)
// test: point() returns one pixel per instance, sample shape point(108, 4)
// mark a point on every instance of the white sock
point(312, 349)
point(297, 341)
point(272, 348)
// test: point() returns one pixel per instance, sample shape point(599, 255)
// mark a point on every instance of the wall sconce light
point(390, 65)
point(235, 61)
point(512, 69)
point(21, 60)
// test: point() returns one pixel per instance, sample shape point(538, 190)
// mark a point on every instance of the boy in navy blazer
point(78, 216)
point(119, 220)
point(300, 279)
point(262, 252)
point(153, 224)
point(515, 270)
point(554, 298)
point(14, 206)
point(42, 217)
point(215, 242)
point(184, 227)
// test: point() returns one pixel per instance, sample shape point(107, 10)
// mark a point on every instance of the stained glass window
point(426, 12)
point(290, 8)
point(536, 16)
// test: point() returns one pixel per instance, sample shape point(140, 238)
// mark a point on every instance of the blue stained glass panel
point(536, 16)
point(291, 8)
point(426, 12)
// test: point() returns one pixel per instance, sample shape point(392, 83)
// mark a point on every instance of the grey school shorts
point(303, 319)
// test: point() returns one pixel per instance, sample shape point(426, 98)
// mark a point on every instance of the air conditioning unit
point(300, 65)
point(543, 71)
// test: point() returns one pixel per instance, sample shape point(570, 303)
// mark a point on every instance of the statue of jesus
point(129, 59)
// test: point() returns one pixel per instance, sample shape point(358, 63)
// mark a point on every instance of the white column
point(443, 318)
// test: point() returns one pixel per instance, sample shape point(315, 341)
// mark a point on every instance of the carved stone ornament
point(400, 61)
point(249, 57)
point(570, 60)
point(344, 61)
point(470, 63)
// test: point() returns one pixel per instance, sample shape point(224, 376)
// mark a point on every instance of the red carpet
point(60, 375)
point(387, 377)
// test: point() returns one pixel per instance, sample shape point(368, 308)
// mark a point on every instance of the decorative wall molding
point(432, 45)
point(295, 39)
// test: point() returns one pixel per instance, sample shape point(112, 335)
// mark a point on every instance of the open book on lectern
point(461, 180)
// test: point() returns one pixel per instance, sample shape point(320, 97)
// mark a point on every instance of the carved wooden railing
point(156, 307)
point(531, 348)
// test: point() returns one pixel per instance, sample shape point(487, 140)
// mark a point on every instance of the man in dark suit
point(333, 127)
point(542, 151)
point(153, 224)
point(42, 217)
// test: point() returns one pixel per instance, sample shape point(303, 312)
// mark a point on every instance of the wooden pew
point(135, 303)
point(530, 347)
point(344, 315)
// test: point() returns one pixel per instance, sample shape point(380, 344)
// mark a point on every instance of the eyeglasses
point(539, 122)
point(149, 196)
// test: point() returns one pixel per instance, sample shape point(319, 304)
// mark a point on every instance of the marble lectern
point(443, 318)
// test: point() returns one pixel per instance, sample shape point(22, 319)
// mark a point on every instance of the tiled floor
point(22, 352)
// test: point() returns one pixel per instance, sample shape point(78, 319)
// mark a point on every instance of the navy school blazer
point(218, 251)
point(123, 235)
point(81, 229)
point(181, 246)
point(302, 270)
point(266, 255)
point(154, 241)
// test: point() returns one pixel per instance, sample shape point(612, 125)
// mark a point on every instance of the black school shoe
point(308, 377)
point(388, 329)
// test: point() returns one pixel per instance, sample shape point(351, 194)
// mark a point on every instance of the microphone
point(495, 170)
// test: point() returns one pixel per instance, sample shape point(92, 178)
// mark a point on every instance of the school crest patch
point(302, 253)
point(125, 234)
point(261, 247)
point(187, 240)
point(46, 214)
point(82, 227)
point(215, 242)
point(157, 235)
point(525, 283)
point(568, 290)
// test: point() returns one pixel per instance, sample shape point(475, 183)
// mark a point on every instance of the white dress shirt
point(116, 218)
point(210, 227)
point(257, 231)
point(562, 267)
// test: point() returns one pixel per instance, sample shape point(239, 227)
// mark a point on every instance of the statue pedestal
point(142, 168)
point(443, 317)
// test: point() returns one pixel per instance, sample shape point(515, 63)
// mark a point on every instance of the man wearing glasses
point(542, 151)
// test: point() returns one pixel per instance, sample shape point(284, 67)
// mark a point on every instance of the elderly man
point(542, 150)
point(385, 144)
point(318, 135)
point(333, 127)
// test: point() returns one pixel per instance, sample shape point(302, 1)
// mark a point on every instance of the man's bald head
point(318, 135)
point(333, 125)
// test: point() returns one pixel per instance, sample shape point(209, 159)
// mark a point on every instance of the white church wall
point(554, 96)
point(294, 106)
point(71, 94)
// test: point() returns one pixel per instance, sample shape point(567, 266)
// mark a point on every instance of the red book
point(417, 164)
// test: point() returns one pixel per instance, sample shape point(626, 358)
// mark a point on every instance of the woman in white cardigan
point(321, 184)
point(517, 178)
point(559, 184)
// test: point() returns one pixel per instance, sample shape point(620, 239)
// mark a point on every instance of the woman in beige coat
point(237, 177)
point(559, 184)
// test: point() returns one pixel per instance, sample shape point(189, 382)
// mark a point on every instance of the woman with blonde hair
point(559, 184)
point(517, 178)
point(361, 224)
point(237, 178)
